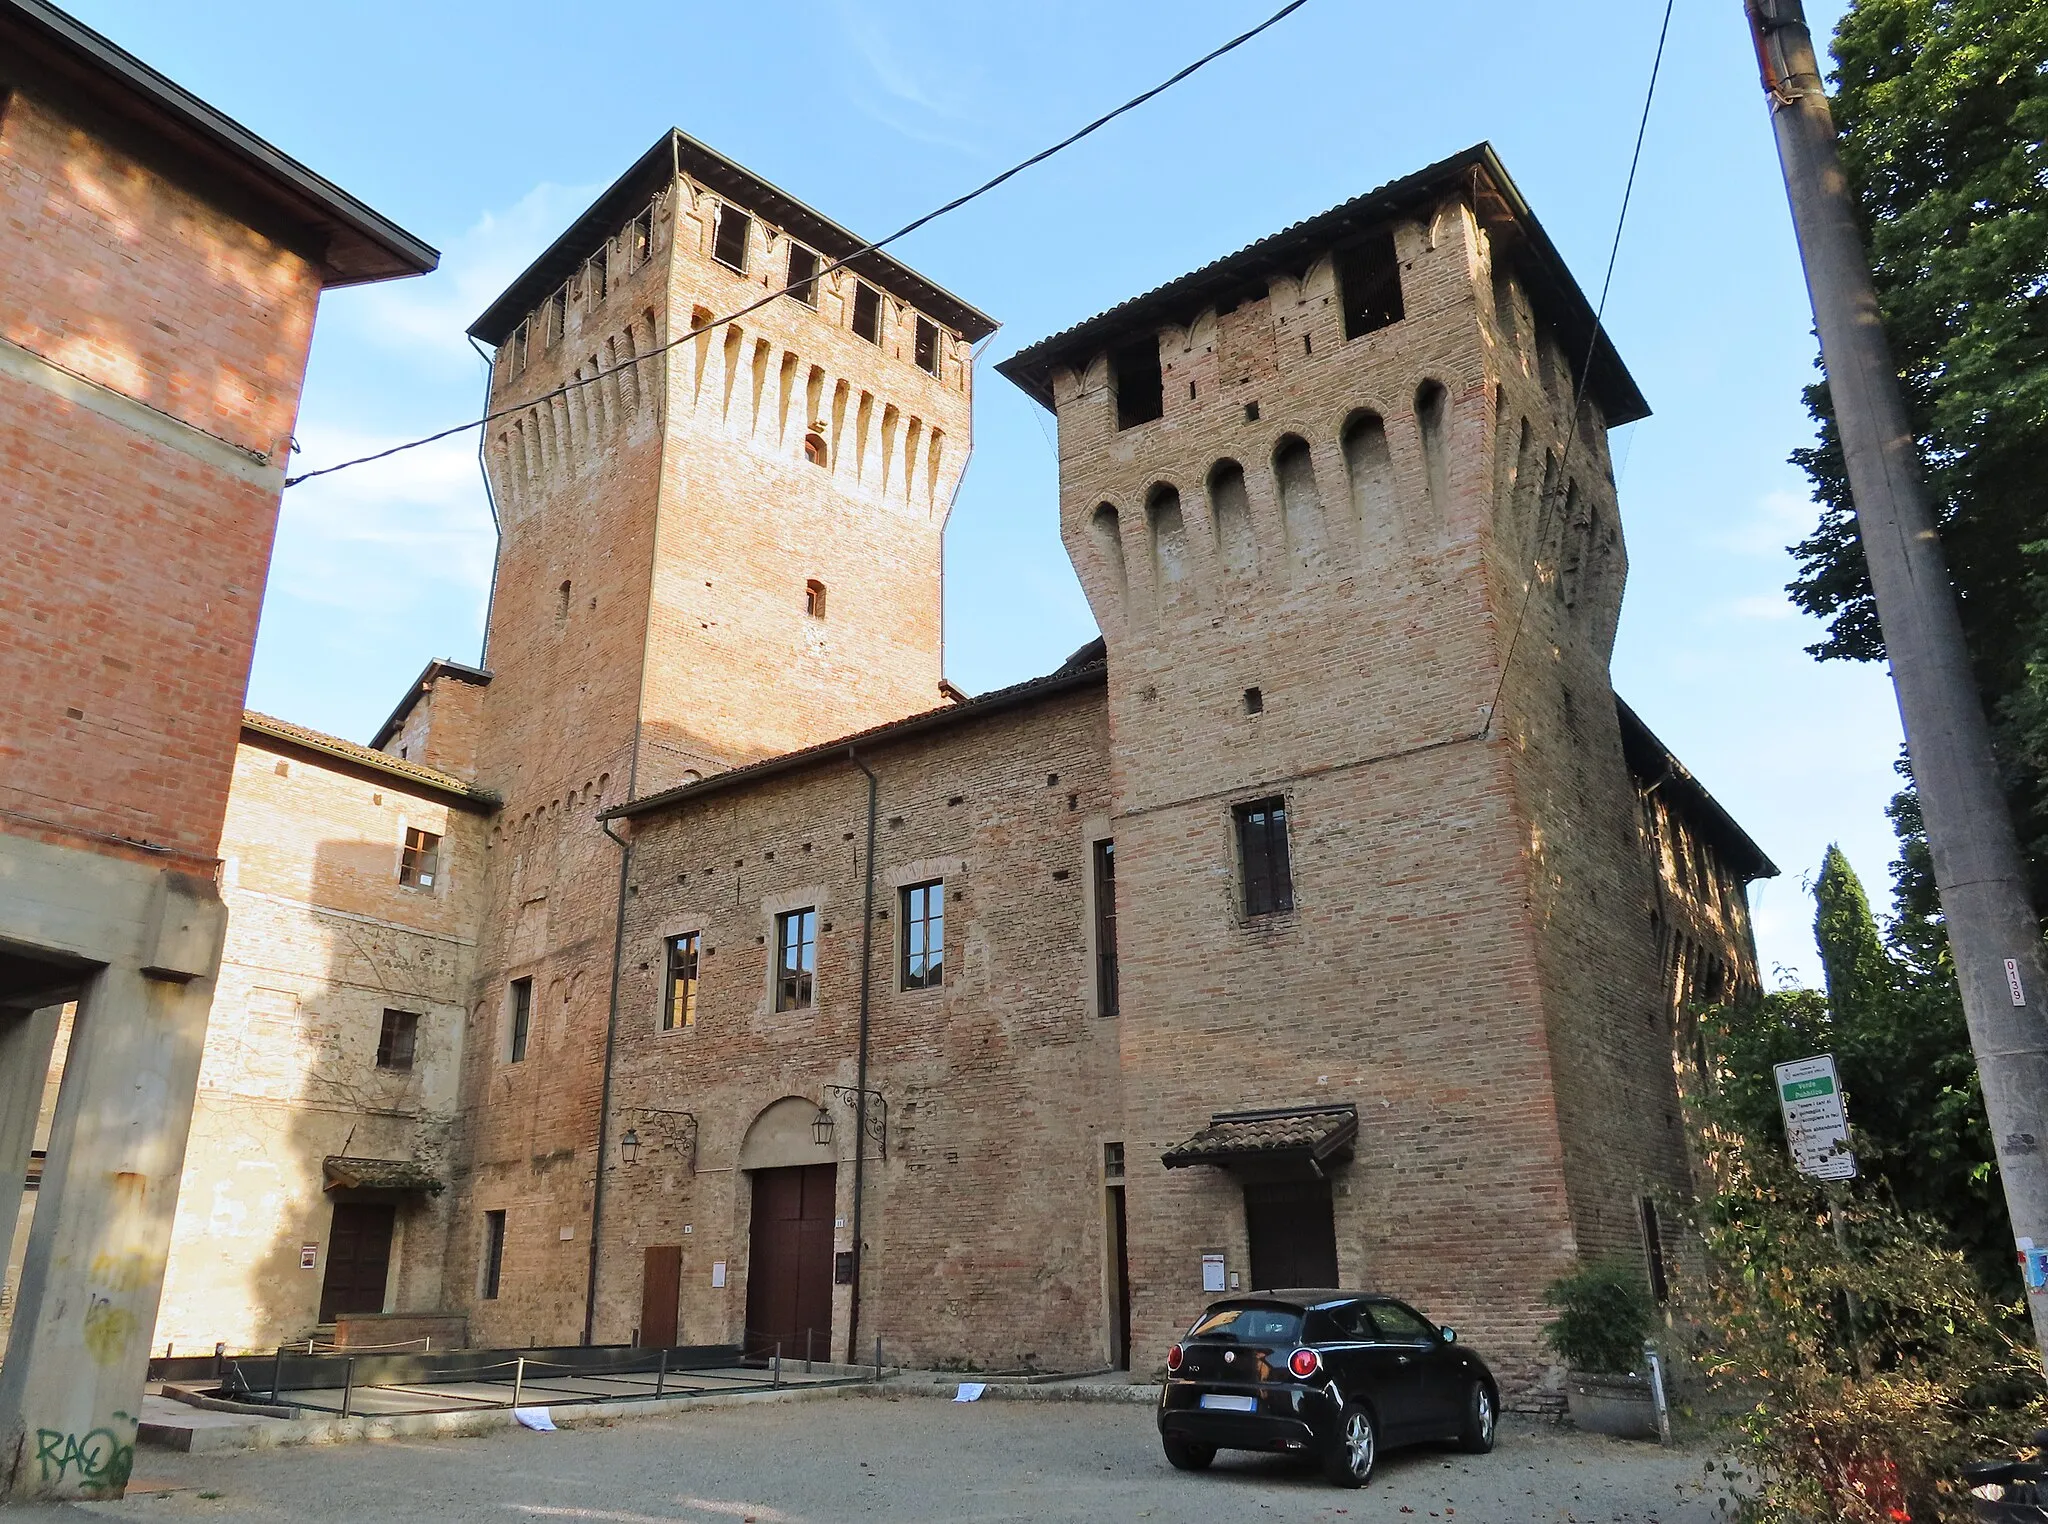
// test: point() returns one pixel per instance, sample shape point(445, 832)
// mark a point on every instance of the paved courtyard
point(908, 1459)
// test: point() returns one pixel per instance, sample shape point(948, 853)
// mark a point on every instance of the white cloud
point(904, 92)
point(1772, 522)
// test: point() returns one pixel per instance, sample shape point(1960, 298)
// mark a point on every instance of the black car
point(1340, 1375)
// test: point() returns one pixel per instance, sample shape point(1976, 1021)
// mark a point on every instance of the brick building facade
point(1327, 919)
point(159, 271)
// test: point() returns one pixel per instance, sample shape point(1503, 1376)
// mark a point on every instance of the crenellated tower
point(1322, 495)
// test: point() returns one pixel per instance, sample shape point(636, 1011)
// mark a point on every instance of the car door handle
point(1400, 1359)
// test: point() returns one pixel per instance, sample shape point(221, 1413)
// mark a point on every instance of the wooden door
point(789, 1262)
point(661, 1288)
point(358, 1258)
point(1293, 1235)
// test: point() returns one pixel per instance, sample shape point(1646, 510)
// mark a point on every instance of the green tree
point(1943, 108)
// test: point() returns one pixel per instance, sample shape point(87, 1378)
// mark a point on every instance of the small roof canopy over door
point(1300, 1142)
point(380, 1175)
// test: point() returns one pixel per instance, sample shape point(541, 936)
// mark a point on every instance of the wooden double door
point(1292, 1234)
point(358, 1258)
point(789, 1262)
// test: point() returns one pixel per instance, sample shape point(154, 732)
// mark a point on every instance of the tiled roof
point(1315, 1132)
point(433, 778)
point(381, 1175)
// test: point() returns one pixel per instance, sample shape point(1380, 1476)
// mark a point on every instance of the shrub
point(1604, 1314)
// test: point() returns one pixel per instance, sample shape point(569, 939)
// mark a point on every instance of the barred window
point(924, 936)
point(796, 958)
point(1262, 856)
point(679, 1004)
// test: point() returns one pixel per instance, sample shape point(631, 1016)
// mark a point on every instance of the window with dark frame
point(926, 349)
point(1112, 1161)
point(867, 312)
point(494, 1254)
point(679, 1003)
point(1369, 285)
point(814, 598)
point(924, 936)
point(1653, 1245)
point(803, 274)
point(1262, 855)
point(729, 243)
point(1140, 389)
point(395, 1044)
point(796, 958)
point(1105, 929)
point(522, 1019)
point(419, 860)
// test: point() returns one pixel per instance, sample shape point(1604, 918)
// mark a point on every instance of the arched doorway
point(789, 1258)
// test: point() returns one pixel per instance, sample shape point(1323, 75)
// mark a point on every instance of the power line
point(1585, 370)
point(881, 243)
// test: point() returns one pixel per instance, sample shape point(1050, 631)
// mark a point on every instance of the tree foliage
point(1942, 107)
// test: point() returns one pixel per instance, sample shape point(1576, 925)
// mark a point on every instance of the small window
point(555, 317)
point(1262, 855)
point(596, 282)
point(927, 345)
point(729, 243)
point(1653, 1246)
point(515, 351)
point(1140, 392)
point(396, 1042)
point(1254, 701)
point(1112, 1161)
point(796, 958)
point(1369, 284)
point(639, 239)
point(803, 274)
point(494, 1254)
point(522, 1019)
point(419, 862)
point(679, 1004)
point(1105, 929)
point(814, 450)
point(867, 312)
point(924, 936)
point(814, 598)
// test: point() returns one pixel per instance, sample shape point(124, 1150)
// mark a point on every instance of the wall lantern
point(821, 1128)
point(629, 1145)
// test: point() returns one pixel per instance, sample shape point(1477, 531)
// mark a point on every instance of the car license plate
point(1230, 1404)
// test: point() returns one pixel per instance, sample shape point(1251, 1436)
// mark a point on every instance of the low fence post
point(348, 1387)
point(518, 1379)
point(220, 1354)
point(807, 1349)
point(661, 1373)
point(878, 1357)
point(776, 1378)
point(276, 1372)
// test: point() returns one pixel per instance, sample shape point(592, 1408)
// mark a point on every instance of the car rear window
point(1250, 1325)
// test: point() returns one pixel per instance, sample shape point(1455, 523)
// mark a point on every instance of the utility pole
point(1992, 930)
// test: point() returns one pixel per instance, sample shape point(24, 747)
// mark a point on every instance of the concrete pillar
point(26, 1039)
point(71, 1384)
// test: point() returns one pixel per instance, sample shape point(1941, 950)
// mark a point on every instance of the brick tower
point(1383, 988)
point(726, 551)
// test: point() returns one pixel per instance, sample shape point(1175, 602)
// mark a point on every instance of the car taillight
point(1304, 1363)
point(1174, 1357)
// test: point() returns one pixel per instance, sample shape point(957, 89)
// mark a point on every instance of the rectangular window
point(515, 351)
point(420, 859)
point(796, 959)
point(1369, 284)
point(1653, 1244)
point(596, 278)
point(639, 240)
point(1112, 1161)
point(729, 243)
point(803, 274)
point(1262, 853)
point(555, 317)
point(927, 350)
point(924, 936)
point(522, 1019)
point(867, 312)
point(679, 1005)
point(1105, 928)
point(494, 1253)
point(1140, 390)
point(396, 1042)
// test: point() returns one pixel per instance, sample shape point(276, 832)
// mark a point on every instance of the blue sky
point(485, 128)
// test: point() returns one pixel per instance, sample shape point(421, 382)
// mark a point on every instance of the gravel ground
point(907, 1459)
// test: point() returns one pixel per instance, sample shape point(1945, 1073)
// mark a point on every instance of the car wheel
point(1350, 1461)
point(1482, 1415)
point(1183, 1456)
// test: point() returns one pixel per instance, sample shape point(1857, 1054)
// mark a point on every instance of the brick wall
point(135, 566)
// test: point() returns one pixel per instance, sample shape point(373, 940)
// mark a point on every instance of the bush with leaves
point(1604, 1314)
